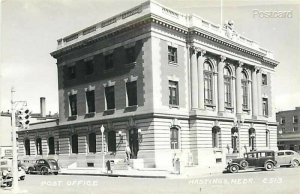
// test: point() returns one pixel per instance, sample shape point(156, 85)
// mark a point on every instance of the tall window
point(89, 67)
point(227, 85)
point(109, 62)
point(234, 139)
point(172, 54)
point(74, 143)
point(267, 138)
point(282, 120)
point(264, 79)
point(72, 72)
point(174, 137)
point(90, 100)
point(173, 93)
point(27, 147)
point(131, 88)
point(265, 107)
point(208, 83)
point(111, 141)
point(295, 119)
point(73, 104)
point(39, 150)
point(51, 145)
point(215, 136)
point(245, 91)
point(130, 54)
point(252, 138)
point(295, 129)
point(92, 142)
point(110, 97)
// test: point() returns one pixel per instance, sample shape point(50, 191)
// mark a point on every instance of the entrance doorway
point(134, 142)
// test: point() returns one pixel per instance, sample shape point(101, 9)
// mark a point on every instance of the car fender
point(272, 161)
point(234, 163)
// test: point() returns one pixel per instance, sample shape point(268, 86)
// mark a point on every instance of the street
point(282, 180)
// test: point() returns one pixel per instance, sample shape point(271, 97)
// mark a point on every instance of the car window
point(251, 155)
point(280, 153)
point(289, 153)
point(268, 154)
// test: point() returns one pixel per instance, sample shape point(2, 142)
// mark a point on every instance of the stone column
point(201, 60)
point(221, 85)
point(259, 96)
point(194, 74)
point(254, 93)
point(238, 90)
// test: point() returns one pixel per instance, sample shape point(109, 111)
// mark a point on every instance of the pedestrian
point(128, 151)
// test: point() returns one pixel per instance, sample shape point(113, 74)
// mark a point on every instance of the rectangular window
point(110, 97)
point(265, 107)
point(295, 129)
point(131, 88)
point(174, 138)
point(130, 55)
point(245, 95)
point(172, 54)
point(90, 100)
point(89, 67)
point(73, 104)
point(267, 138)
point(72, 72)
point(173, 93)
point(109, 62)
point(208, 89)
point(227, 85)
point(295, 119)
point(264, 79)
point(282, 120)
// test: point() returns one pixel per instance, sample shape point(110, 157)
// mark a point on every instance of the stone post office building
point(171, 85)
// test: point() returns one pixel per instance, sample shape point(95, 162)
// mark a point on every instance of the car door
point(289, 156)
point(39, 165)
point(251, 159)
point(280, 158)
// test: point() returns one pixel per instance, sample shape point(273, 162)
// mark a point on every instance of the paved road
point(281, 181)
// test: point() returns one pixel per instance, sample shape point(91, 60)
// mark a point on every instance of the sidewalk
point(141, 173)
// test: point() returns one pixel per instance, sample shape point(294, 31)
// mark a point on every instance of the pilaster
point(221, 85)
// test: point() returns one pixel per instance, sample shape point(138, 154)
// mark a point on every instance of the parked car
point(44, 166)
point(264, 159)
point(6, 166)
point(287, 158)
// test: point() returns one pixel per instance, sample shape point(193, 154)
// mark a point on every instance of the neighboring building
point(171, 85)
point(289, 129)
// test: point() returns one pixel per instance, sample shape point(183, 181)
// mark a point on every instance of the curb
point(116, 175)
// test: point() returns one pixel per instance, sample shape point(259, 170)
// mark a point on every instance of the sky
point(30, 29)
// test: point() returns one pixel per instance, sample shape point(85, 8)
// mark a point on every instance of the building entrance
point(134, 142)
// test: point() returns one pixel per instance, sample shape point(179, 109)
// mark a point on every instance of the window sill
point(174, 106)
point(131, 108)
point(89, 115)
point(217, 150)
point(246, 110)
point(229, 108)
point(131, 63)
point(210, 105)
point(72, 118)
point(173, 63)
point(109, 111)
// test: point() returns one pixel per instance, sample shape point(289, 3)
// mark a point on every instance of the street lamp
point(102, 131)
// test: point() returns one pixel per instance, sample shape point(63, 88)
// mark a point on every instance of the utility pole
point(14, 143)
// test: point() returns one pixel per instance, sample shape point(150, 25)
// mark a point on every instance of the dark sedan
point(44, 166)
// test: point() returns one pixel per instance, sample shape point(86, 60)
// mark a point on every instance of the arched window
point(92, 142)
point(234, 139)
point(245, 91)
point(74, 144)
point(111, 140)
point(27, 147)
point(227, 87)
point(38, 143)
point(215, 136)
point(208, 83)
point(51, 145)
point(252, 138)
point(174, 137)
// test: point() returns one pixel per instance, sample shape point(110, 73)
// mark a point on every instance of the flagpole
point(221, 13)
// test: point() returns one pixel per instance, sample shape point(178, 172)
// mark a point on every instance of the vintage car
point(264, 159)
point(287, 158)
point(6, 165)
point(44, 166)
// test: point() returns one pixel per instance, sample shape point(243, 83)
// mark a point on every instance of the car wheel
point(22, 178)
point(269, 166)
point(56, 173)
point(44, 171)
point(234, 168)
point(30, 171)
point(295, 163)
point(244, 164)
